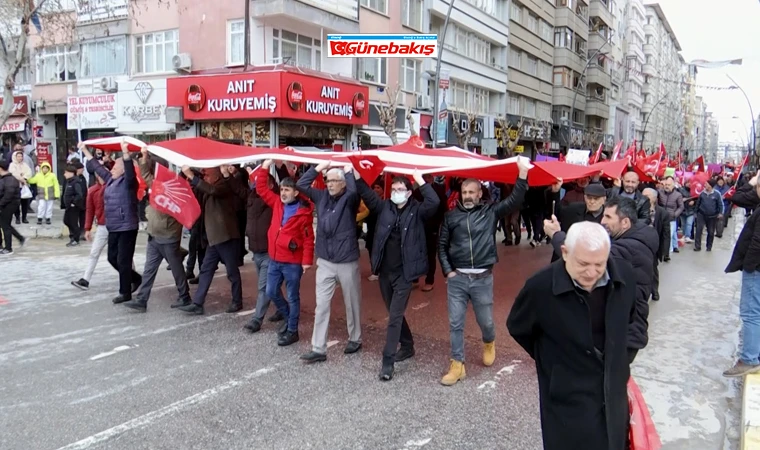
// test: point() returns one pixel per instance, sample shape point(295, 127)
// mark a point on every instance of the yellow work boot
point(456, 373)
point(489, 353)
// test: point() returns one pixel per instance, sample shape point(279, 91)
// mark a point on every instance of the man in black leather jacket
point(630, 189)
point(467, 252)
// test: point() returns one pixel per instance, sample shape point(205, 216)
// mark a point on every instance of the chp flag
point(173, 195)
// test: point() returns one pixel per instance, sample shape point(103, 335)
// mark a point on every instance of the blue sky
point(722, 30)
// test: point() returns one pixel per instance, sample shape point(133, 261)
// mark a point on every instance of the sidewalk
point(33, 231)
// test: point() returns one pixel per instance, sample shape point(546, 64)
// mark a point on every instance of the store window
point(296, 50)
point(374, 70)
point(104, 57)
point(250, 134)
point(57, 64)
point(154, 51)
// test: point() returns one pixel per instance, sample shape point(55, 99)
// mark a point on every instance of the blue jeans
point(749, 311)
point(261, 260)
point(688, 226)
point(460, 290)
point(290, 274)
point(673, 235)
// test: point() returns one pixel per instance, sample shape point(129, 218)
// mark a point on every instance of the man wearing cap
point(592, 208)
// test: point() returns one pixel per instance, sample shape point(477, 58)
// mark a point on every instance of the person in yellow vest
point(48, 191)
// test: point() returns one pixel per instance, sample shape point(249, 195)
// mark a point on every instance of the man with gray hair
point(571, 318)
point(660, 221)
point(337, 250)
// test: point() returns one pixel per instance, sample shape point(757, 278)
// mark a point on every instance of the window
point(373, 70)
point(154, 51)
point(461, 97)
point(563, 77)
point(514, 105)
point(530, 108)
point(58, 63)
point(580, 47)
point(296, 50)
point(411, 71)
point(515, 58)
point(563, 37)
point(543, 111)
point(470, 45)
point(532, 66)
point(380, 6)
point(411, 13)
point(532, 23)
point(515, 12)
point(104, 57)
point(546, 31)
point(480, 98)
point(235, 42)
point(545, 71)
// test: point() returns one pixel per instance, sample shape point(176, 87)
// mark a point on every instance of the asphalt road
point(80, 373)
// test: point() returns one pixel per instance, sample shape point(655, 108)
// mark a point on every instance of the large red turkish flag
point(368, 166)
point(698, 182)
point(173, 195)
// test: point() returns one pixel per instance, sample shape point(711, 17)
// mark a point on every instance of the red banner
point(642, 432)
point(698, 182)
point(43, 153)
point(368, 166)
point(173, 195)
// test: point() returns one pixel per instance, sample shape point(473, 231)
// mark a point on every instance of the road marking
point(331, 343)
point(417, 444)
point(420, 306)
point(149, 418)
point(3, 301)
point(506, 370)
point(118, 349)
point(489, 384)
point(246, 313)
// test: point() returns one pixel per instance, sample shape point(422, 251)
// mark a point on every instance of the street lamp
point(580, 82)
point(754, 133)
point(436, 100)
point(646, 122)
point(749, 138)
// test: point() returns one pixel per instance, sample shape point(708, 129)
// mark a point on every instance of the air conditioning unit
point(423, 101)
point(39, 104)
point(108, 84)
point(182, 62)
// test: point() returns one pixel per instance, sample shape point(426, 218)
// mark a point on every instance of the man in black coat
point(467, 252)
point(634, 242)
point(572, 318)
point(400, 255)
point(591, 209)
point(630, 189)
point(660, 221)
point(10, 198)
point(746, 258)
point(432, 228)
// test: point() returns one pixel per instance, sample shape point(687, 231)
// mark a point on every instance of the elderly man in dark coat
point(572, 318)
point(660, 221)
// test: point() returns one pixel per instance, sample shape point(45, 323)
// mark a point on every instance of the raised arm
point(444, 243)
point(304, 183)
point(516, 198)
point(746, 196)
point(215, 190)
point(93, 165)
point(145, 164)
point(353, 180)
point(262, 185)
point(430, 200)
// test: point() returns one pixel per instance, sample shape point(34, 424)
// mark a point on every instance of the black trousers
point(513, 231)
point(121, 251)
point(196, 251)
point(656, 280)
point(71, 220)
point(537, 221)
point(82, 218)
point(23, 209)
point(431, 242)
point(242, 221)
point(228, 254)
point(395, 291)
point(6, 216)
point(525, 218)
point(702, 222)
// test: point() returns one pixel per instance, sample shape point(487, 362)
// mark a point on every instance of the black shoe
point(276, 317)
point(136, 286)
point(708, 249)
point(24, 221)
point(508, 243)
point(81, 284)
point(282, 329)
point(656, 297)
point(48, 222)
point(18, 221)
point(234, 307)
point(254, 326)
point(696, 249)
point(74, 244)
point(517, 240)
point(192, 308)
point(180, 303)
point(189, 275)
point(386, 373)
point(24, 241)
point(352, 347)
point(675, 250)
point(137, 305)
point(121, 299)
point(193, 280)
point(313, 357)
point(39, 221)
point(667, 259)
point(289, 338)
point(404, 353)
point(6, 252)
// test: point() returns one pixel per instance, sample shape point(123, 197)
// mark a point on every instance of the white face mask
point(398, 197)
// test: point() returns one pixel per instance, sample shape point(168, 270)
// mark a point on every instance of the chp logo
point(359, 103)
point(384, 45)
point(294, 96)
point(169, 195)
point(196, 98)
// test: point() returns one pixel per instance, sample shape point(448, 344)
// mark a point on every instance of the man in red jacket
point(291, 250)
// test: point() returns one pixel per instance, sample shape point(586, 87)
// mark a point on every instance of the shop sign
point(20, 105)
point(13, 125)
point(269, 95)
point(141, 106)
point(92, 111)
point(43, 153)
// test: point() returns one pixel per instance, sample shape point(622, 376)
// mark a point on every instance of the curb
point(750, 425)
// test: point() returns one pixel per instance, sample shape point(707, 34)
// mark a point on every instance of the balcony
point(648, 69)
point(646, 107)
point(639, 5)
point(649, 49)
point(562, 96)
point(597, 75)
point(564, 17)
point(89, 11)
point(601, 11)
point(650, 29)
point(472, 72)
point(564, 57)
point(596, 106)
point(469, 16)
point(341, 16)
point(596, 40)
point(637, 51)
point(646, 88)
point(636, 27)
point(635, 99)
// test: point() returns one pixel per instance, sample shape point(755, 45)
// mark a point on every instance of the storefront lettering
point(139, 113)
point(265, 101)
point(330, 109)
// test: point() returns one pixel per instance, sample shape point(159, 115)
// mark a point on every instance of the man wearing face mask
point(591, 209)
point(400, 255)
point(633, 241)
point(467, 253)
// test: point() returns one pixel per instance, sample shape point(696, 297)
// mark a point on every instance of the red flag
point(142, 186)
point(368, 166)
point(595, 157)
point(700, 162)
point(173, 195)
point(642, 432)
point(616, 151)
point(698, 182)
point(737, 173)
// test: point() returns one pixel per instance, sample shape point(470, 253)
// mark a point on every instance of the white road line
point(488, 384)
point(331, 343)
point(153, 416)
point(118, 349)
point(507, 370)
point(420, 306)
point(246, 313)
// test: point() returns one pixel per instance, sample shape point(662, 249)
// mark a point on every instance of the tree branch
point(387, 112)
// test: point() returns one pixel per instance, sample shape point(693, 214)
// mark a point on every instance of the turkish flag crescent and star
point(698, 182)
point(368, 166)
point(173, 195)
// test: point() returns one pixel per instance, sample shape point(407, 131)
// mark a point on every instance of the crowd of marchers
point(582, 318)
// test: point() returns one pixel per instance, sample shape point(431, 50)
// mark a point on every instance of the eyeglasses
point(400, 191)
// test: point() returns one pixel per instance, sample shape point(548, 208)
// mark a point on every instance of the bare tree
point(387, 112)
point(508, 126)
point(410, 122)
point(464, 126)
point(592, 138)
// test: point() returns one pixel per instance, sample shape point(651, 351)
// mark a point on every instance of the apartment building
point(570, 57)
point(633, 80)
point(662, 91)
point(618, 124)
point(531, 58)
point(598, 80)
point(689, 106)
point(712, 134)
